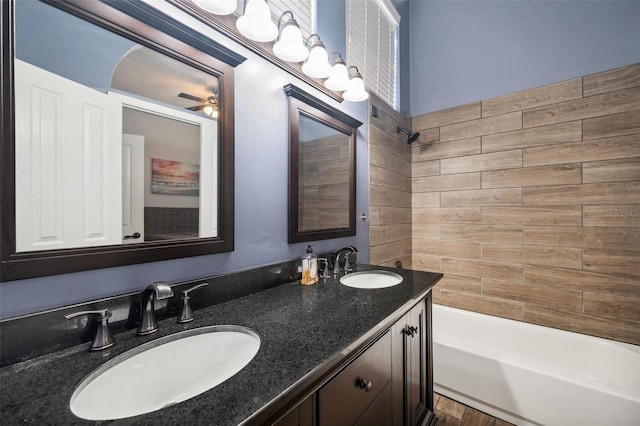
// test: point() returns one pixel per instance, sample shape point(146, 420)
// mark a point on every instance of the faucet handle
point(186, 314)
point(347, 263)
point(103, 338)
point(325, 271)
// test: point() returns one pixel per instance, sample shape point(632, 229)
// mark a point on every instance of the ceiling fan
point(208, 106)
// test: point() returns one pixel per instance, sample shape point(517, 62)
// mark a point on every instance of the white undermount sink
point(371, 279)
point(164, 372)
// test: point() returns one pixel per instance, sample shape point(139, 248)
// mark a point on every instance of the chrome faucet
point(335, 258)
point(156, 291)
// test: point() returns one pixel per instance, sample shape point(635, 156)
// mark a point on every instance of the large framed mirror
point(117, 138)
point(322, 169)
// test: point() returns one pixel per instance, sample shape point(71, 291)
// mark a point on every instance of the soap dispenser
point(309, 267)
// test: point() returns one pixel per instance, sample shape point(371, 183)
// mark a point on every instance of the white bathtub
point(532, 375)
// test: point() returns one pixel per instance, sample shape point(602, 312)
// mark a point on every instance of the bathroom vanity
point(329, 354)
point(389, 383)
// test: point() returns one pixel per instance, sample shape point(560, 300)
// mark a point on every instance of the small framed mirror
point(322, 169)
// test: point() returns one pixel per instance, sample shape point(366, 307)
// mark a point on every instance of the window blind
point(372, 28)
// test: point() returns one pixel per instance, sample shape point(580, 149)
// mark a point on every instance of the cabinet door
point(412, 386)
point(399, 355)
point(416, 380)
point(302, 415)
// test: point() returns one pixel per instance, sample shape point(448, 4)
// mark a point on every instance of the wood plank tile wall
point(324, 182)
point(529, 203)
point(389, 188)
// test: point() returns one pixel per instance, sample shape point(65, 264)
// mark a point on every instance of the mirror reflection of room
point(84, 98)
point(161, 184)
point(324, 172)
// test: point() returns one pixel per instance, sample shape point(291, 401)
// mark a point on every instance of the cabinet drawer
point(342, 401)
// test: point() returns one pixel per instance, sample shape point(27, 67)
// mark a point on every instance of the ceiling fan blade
point(191, 97)
point(195, 108)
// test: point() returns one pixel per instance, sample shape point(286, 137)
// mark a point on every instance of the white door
point(208, 226)
point(68, 163)
point(132, 189)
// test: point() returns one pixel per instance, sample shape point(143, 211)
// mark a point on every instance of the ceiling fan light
point(217, 7)
point(290, 47)
point(210, 108)
point(256, 23)
point(338, 80)
point(317, 66)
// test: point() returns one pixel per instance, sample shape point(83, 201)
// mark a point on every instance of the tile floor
point(451, 413)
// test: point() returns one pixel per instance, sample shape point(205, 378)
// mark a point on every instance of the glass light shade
point(355, 92)
point(317, 66)
point(217, 7)
point(256, 23)
point(211, 109)
point(338, 80)
point(290, 47)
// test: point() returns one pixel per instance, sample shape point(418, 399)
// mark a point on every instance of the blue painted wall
point(458, 52)
point(332, 25)
point(466, 51)
point(261, 179)
point(404, 54)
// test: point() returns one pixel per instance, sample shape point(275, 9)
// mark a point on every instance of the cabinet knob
point(365, 384)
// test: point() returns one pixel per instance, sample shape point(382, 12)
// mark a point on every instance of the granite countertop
point(304, 330)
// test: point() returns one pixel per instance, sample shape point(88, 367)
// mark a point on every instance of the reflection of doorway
point(166, 215)
point(132, 189)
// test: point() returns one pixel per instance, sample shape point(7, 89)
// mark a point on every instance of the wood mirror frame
point(301, 104)
point(147, 26)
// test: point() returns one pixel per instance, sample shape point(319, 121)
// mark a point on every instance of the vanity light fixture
point(217, 7)
point(317, 65)
point(338, 80)
point(290, 46)
point(355, 92)
point(256, 24)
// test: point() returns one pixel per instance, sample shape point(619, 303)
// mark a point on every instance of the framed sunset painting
point(174, 177)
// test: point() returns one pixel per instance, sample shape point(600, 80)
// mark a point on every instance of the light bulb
point(338, 80)
point(217, 7)
point(317, 66)
point(356, 92)
point(290, 47)
point(256, 23)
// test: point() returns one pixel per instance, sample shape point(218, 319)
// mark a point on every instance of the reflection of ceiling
point(147, 73)
point(162, 132)
point(309, 130)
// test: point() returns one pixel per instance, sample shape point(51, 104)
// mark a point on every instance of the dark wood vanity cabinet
point(303, 414)
point(389, 384)
point(362, 386)
point(412, 375)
